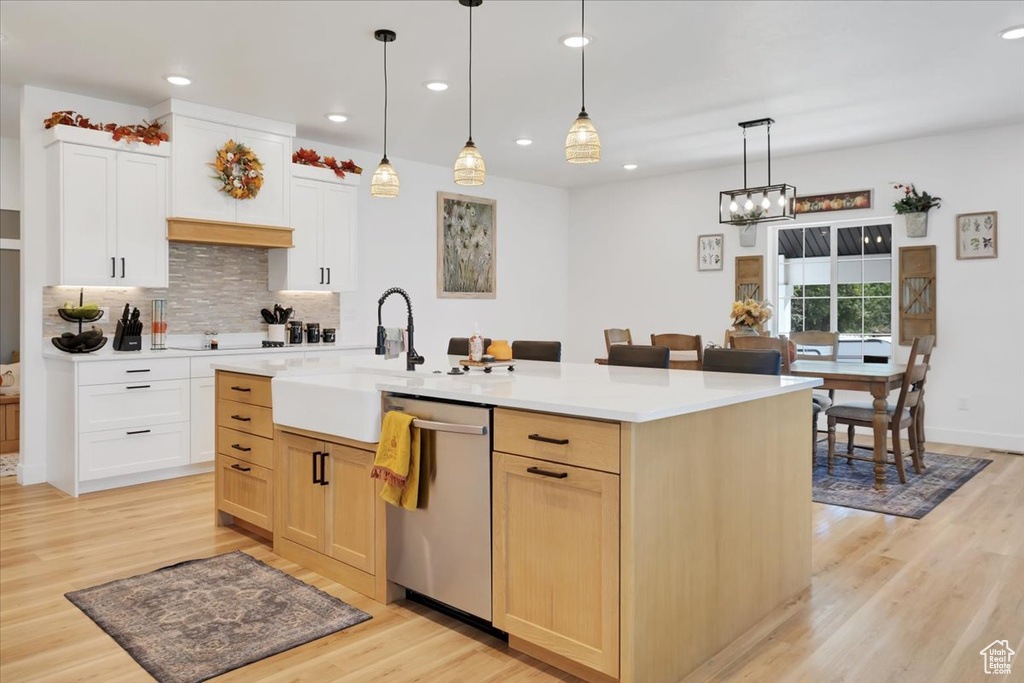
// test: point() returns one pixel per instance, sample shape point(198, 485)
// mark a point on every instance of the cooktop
point(230, 347)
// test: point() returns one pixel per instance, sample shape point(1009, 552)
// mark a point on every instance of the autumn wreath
point(239, 170)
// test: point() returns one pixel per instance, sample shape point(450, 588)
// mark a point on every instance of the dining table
point(877, 379)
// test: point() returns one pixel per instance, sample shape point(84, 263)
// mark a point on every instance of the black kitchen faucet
point(412, 359)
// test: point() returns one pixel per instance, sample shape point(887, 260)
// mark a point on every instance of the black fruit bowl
point(59, 343)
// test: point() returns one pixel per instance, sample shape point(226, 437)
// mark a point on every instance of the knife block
point(126, 342)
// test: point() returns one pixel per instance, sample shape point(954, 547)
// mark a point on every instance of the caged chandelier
point(750, 205)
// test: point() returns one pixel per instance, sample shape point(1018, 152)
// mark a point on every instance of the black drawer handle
point(241, 419)
point(323, 469)
point(140, 386)
point(139, 431)
point(238, 467)
point(133, 371)
point(240, 447)
point(546, 473)
point(548, 439)
point(246, 389)
point(316, 479)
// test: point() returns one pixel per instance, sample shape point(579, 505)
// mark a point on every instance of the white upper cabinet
point(107, 215)
point(195, 190)
point(323, 210)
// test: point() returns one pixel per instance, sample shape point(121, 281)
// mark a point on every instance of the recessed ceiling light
point(1013, 33)
point(523, 142)
point(337, 117)
point(576, 40)
point(436, 86)
point(629, 167)
point(177, 79)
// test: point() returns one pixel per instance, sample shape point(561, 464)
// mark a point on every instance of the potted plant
point(748, 227)
point(915, 206)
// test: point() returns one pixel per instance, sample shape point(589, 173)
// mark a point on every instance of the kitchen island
point(642, 519)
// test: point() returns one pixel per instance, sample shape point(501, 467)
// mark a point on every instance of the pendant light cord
point(583, 55)
point(470, 73)
point(385, 99)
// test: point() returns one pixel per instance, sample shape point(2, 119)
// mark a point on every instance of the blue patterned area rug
point(853, 485)
point(198, 619)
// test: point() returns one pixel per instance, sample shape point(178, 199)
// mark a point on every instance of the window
point(838, 278)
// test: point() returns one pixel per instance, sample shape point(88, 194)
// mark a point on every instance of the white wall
point(633, 263)
point(398, 248)
point(10, 174)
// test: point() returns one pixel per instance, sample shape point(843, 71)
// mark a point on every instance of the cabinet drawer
point(569, 440)
point(245, 418)
point(248, 447)
point(245, 491)
point(126, 451)
point(251, 389)
point(145, 403)
point(140, 370)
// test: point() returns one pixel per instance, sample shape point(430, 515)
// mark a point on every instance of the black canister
point(295, 332)
point(312, 333)
point(329, 335)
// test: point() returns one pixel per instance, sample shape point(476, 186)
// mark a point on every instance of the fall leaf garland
point(145, 132)
point(239, 170)
point(310, 157)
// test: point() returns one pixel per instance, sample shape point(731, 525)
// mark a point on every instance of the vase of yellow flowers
point(748, 316)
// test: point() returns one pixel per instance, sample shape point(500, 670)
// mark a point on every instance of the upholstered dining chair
point(682, 342)
point(459, 346)
point(903, 415)
point(614, 335)
point(639, 356)
point(537, 350)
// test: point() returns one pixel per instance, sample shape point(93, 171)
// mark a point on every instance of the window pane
point(877, 269)
point(850, 271)
point(796, 315)
point(816, 290)
point(816, 243)
point(877, 289)
point(878, 239)
point(851, 242)
point(850, 289)
point(878, 316)
point(791, 243)
point(798, 290)
point(816, 314)
point(851, 316)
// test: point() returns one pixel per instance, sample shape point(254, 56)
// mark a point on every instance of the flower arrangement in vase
point(915, 205)
point(748, 316)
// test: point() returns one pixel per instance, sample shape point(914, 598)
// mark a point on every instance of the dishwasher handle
point(451, 427)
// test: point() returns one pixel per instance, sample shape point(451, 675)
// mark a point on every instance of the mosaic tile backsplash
point(211, 287)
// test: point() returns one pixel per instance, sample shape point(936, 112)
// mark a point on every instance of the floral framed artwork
point(976, 235)
point(467, 244)
point(710, 252)
point(836, 201)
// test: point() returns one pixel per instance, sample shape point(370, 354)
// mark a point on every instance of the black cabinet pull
point(321, 276)
point(316, 479)
point(246, 389)
point(240, 447)
point(548, 439)
point(546, 473)
point(241, 419)
point(140, 386)
point(122, 266)
point(133, 371)
point(138, 431)
point(113, 267)
point(238, 467)
point(328, 276)
point(323, 469)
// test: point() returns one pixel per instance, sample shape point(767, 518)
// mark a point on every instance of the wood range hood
point(200, 231)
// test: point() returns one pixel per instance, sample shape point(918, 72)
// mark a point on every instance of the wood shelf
point(198, 231)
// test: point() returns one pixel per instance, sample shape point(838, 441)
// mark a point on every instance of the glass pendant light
point(385, 180)
point(582, 145)
point(469, 165)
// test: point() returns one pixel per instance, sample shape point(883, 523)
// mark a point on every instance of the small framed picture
point(976, 235)
point(710, 252)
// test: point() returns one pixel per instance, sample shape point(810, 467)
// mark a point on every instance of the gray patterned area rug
point(8, 465)
point(853, 485)
point(198, 619)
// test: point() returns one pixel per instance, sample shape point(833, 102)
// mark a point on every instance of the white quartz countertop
point(587, 390)
point(107, 352)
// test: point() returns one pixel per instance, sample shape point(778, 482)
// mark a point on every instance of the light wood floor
point(892, 599)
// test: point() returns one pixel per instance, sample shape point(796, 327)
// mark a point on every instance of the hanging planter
point(917, 224)
point(914, 207)
point(748, 235)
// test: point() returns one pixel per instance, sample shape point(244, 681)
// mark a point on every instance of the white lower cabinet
point(117, 452)
point(203, 423)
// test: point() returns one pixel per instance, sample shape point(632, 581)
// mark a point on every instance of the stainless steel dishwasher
point(443, 548)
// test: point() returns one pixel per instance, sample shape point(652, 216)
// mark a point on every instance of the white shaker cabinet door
point(271, 205)
point(117, 452)
point(141, 220)
point(202, 421)
point(300, 266)
point(194, 191)
point(88, 216)
point(338, 254)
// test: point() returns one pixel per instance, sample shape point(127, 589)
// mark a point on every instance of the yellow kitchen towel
point(398, 460)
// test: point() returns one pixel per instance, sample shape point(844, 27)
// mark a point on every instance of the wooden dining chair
point(811, 342)
point(537, 350)
point(904, 415)
point(780, 344)
point(614, 335)
point(682, 342)
point(639, 356)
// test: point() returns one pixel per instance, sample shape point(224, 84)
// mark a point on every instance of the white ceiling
point(667, 81)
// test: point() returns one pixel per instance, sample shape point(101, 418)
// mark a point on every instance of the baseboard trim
point(29, 475)
point(959, 437)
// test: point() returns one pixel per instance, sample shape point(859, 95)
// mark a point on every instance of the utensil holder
point(126, 342)
point(275, 333)
point(158, 340)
